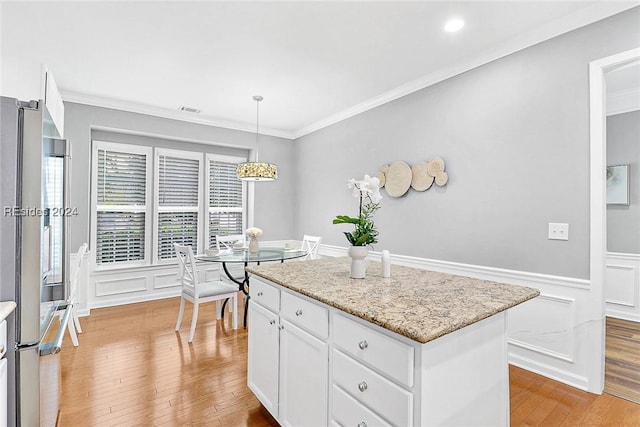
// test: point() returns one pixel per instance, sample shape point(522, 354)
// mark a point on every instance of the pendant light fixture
point(257, 171)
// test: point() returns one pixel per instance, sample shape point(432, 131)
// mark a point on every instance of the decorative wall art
point(618, 185)
point(398, 177)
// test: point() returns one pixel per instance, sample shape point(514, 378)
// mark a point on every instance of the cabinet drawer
point(346, 411)
point(263, 294)
point(3, 338)
point(305, 314)
point(388, 399)
point(390, 356)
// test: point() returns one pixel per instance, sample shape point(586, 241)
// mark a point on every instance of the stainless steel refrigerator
point(33, 261)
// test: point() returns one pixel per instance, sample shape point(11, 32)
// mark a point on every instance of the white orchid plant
point(253, 232)
point(368, 192)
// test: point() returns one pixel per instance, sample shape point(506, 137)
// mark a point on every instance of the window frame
point(157, 209)
point(207, 209)
point(97, 146)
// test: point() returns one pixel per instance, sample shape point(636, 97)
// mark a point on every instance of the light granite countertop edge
point(449, 325)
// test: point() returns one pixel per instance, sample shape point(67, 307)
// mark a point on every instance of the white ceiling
point(315, 63)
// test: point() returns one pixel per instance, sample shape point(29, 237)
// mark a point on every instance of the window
point(145, 199)
point(178, 200)
point(225, 198)
point(120, 187)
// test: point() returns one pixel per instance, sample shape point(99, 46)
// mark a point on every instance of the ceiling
point(315, 63)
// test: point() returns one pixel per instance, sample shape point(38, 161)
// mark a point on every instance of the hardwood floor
point(132, 369)
point(622, 359)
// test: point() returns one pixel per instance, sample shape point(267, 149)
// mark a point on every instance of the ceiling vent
point(188, 109)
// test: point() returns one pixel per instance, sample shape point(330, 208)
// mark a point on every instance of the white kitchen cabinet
point(311, 364)
point(32, 81)
point(288, 364)
point(304, 370)
point(262, 369)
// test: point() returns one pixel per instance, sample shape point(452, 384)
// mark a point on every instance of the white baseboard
point(135, 299)
point(549, 371)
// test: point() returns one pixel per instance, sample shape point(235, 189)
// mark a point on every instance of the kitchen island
point(418, 348)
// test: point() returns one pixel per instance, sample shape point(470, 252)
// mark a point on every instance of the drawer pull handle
point(272, 322)
point(362, 424)
point(363, 344)
point(298, 312)
point(362, 386)
point(260, 294)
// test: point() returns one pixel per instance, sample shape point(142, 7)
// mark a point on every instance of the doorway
point(601, 271)
point(622, 286)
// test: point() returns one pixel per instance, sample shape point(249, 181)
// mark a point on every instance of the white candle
point(386, 264)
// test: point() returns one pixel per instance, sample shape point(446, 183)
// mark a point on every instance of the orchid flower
point(367, 191)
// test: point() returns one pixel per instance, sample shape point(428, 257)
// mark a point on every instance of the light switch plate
point(558, 231)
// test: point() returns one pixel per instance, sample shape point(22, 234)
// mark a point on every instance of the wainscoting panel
point(552, 334)
point(126, 286)
point(166, 280)
point(123, 285)
point(622, 286)
point(130, 285)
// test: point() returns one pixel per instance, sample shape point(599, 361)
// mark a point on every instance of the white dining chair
point(228, 243)
point(198, 292)
point(73, 325)
point(311, 244)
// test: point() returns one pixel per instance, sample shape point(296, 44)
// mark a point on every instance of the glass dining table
point(243, 255)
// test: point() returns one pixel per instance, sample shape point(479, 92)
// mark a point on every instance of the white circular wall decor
point(421, 180)
point(442, 179)
point(398, 179)
point(435, 166)
point(382, 175)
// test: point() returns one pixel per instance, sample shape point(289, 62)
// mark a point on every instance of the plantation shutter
point(121, 206)
point(225, 200)
point(178, 190)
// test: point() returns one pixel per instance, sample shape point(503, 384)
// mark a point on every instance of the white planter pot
point(358, 261)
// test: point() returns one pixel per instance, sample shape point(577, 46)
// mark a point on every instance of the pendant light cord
point(257, 98)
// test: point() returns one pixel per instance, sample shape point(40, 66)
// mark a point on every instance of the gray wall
point(515, 136)
point(273, 200)
point(623, 147)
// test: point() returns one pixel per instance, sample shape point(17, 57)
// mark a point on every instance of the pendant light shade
point(257, 171)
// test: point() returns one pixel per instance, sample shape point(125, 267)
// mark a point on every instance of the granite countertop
point(420, 304)
point(6, 308)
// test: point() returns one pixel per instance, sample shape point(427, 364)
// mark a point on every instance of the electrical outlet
point(558, 231)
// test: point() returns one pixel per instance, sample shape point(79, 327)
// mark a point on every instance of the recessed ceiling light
point(453, 25)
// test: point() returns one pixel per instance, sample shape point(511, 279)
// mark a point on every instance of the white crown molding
point(552, 29)
point(623, 101)
point(98, 101)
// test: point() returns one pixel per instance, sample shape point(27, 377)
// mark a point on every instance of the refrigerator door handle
point(54, 346)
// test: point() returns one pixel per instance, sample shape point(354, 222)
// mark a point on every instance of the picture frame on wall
point(618, 185)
